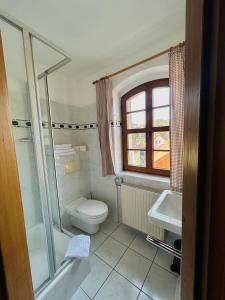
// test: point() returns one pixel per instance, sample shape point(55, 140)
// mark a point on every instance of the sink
point(166, 212)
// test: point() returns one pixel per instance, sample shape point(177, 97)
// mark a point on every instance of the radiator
point(135, 204)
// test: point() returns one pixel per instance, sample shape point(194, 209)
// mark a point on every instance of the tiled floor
point(126, 267)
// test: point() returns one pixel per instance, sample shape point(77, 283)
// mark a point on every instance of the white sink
point(167, 211)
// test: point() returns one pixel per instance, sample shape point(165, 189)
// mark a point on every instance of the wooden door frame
point(14, 260)
point(203, 249)
point(204, 167)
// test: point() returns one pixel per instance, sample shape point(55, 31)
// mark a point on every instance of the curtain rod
point(140, 62)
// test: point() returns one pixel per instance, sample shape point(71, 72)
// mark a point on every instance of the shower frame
point(37, 132)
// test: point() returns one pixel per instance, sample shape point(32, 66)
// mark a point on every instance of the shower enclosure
point(29, 59)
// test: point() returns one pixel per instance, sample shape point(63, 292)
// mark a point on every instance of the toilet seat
point(92, 208)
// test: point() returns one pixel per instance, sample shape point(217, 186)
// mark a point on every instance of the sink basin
point(167, 211)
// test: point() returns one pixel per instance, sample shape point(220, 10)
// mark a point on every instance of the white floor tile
point(80, 295)
point(142, 296)
point(117, 287)
point(97, 239)
point(143, 247)
point(160, 284)
point(111, 251)
point(134, 267)
point(98, 274)
point(124, 234)
point(108, 226)
point(164, 259)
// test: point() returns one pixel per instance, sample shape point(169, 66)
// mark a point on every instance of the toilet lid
point(92, 208)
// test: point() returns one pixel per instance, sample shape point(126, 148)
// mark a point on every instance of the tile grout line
point(145, 279)
point(141, 290)
point(150, 298)
point(162, 266)
point(108, 235)
point(142, 254)
point(120, 241)
point(153, 262)
point(93, 252)
point(101, 244)
point(113, 229)
point(124, 252)
point(104, 280)
point(170, 272)
point(113, 268)
point(84, 292)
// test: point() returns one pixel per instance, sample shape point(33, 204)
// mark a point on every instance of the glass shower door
point(26, 152)
point(46, 61)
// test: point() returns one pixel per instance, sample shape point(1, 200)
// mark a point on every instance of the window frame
point(148, 130)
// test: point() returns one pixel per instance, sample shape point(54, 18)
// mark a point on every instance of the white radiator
point(135, 204)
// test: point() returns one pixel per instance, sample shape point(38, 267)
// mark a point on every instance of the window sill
point(155, 181)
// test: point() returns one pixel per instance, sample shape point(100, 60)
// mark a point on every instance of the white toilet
point(87, 214)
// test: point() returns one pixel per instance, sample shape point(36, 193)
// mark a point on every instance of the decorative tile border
point(27, 124)
point(21, 123)
point(74, 126)
point(116, 123)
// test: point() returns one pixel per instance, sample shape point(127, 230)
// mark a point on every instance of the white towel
point(63, 146)
point(64, 150)
point(79, 247)
point(58, 155)
point(71, 152)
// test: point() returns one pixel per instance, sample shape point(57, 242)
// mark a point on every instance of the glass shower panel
point(46, 125)
point(25, 151)
point(45, 58)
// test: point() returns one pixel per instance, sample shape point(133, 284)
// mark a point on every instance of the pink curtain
point(176, 78)
point(104, 102)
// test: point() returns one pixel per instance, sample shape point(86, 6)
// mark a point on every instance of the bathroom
point(97, 120)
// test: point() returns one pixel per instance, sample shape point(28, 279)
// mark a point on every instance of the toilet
point(87, 214)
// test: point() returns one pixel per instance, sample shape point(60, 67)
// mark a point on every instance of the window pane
point(161, 117)
point(160, 96)
point(161, 160)
point(136, 120)
point(136, 140)
point(136, 102)
point(137, 158)
point(161, 140)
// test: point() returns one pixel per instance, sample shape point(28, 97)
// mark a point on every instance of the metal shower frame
point(38, 139)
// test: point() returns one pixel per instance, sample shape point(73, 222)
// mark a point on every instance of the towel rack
point(164, 246)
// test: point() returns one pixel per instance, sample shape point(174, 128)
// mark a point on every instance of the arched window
point(146, 128)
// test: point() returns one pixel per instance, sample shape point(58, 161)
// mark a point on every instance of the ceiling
point(99, 33)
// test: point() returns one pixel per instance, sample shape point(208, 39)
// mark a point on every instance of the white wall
point(74, 185)
point(83, 91)
point(103, 188)
point(80, 100)
point(60, 88)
